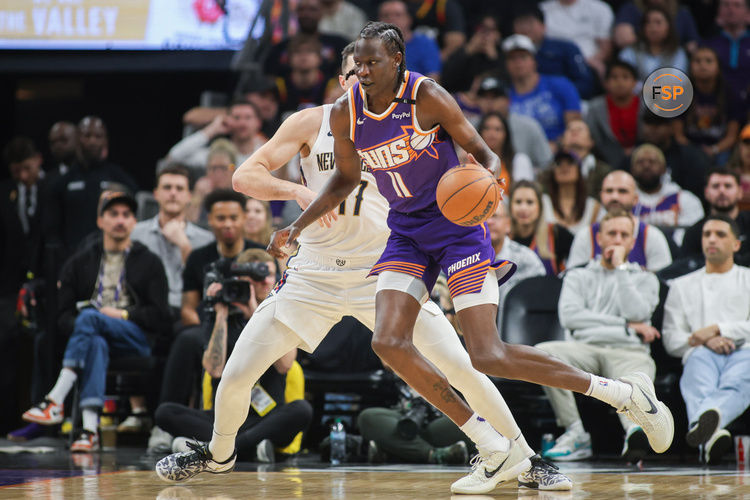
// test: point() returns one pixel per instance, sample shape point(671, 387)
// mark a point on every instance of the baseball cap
point(109, 198)
point(519, 42)
point(745, 134)
point(492, 85)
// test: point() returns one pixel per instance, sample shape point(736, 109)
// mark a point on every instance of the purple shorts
point(424, 243)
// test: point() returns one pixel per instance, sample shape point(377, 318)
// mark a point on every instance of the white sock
point(527, 450)
point(487, 439)
point(90, 419)
point(612, 392)
point(221, 446)
point(62, 387)
point(576, 428)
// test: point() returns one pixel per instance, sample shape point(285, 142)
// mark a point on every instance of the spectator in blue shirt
point(551, 100)
point(422, 52)
point(554, 56)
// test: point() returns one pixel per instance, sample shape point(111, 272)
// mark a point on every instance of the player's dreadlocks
point(392, 38)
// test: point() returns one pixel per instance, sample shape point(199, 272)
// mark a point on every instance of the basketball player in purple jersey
point(402, 125)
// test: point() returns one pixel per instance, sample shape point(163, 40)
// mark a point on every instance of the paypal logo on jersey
point(401, 116)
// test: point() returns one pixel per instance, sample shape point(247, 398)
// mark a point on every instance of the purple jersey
point(407, 162)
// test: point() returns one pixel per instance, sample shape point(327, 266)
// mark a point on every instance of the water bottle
point(338, 442)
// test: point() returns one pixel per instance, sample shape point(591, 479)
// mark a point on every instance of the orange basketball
point(468, 194)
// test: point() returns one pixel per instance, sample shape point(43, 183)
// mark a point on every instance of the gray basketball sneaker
point(544, 476)
point(487, 472)
point(179, 467)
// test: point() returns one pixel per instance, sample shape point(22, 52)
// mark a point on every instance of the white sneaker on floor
point(134, 423)
point(265, 452)
point(544, 476)
point(488, 472)
point(570, 446)
point(648, 412)
point(179, 467)
point(160, 441)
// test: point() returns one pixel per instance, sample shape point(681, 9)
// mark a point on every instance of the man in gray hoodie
point(605, 308)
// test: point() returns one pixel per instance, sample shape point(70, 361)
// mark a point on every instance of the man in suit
point(20, 198)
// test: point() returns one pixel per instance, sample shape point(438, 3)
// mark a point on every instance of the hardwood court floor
point(387, 482)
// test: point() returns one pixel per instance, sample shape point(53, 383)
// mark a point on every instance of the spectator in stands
point(74, 198)
point(723, 194)
point(273, 421)
point(495, 131)
point(657, 45)
point(309, 13)
point(613, 117)
point(169, 235)
point(551, 100)
point(21, 201)
point(226, 217)
point(661, 202)
point(63, 143)
point(482, 53)
point(740, 161)
point(112, 302)
point(606, 308)
point(527, 261)
point(553, 56)
point(686, 164)
point(577, 139)
point(422, 52)
point(629, 19)
point(707, 324)
point(445, 18)
point(241, 124)
point(220, 164)
point(341, 18)
point(712, 121)
point(305, 85)
point(526, 134)
point(650, 248)
point(551, 242)
point(435, 439)
point(566, 201)
point(732, 45)
point(587, 23)
point(258, 225)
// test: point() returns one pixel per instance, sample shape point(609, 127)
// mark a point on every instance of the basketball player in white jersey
point(325, 281)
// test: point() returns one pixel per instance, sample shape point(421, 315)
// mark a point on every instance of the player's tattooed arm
point(435, 106)
point(215, 355)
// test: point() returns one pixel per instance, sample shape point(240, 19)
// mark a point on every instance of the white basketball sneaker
point(179, 467)
point(487, 472)
point(648, 412)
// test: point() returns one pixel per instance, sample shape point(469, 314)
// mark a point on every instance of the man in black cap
point(526, 134)
point(112, 298)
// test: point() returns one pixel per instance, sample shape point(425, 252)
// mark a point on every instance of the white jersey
point(361, 230)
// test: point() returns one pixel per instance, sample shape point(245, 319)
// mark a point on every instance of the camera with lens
point(416, 412)
point(228, 273)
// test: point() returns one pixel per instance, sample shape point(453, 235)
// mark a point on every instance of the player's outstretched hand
point(283, 240)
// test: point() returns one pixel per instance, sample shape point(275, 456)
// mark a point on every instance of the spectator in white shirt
point(341, 18)
point(529, 264)
point(242, 124)
point(707, 323)
point(650, 250)
point(587, 23)
point(661, 202)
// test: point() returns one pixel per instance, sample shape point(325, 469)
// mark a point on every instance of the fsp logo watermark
point(667, 92)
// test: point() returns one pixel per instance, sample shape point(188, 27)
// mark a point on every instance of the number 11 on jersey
point(358, 200)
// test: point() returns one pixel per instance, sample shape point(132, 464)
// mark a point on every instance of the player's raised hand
point(282, 241)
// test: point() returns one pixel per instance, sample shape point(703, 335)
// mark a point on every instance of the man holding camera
point(113, 298)
point(234, 296)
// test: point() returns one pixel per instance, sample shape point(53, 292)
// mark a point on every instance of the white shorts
point(313, 296)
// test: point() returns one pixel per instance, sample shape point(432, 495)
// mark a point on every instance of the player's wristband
point(125, 314)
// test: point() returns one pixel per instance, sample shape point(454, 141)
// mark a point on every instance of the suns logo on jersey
point(399, 150)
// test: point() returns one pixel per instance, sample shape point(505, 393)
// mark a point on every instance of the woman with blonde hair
point(551, 242)
point(258, 224)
